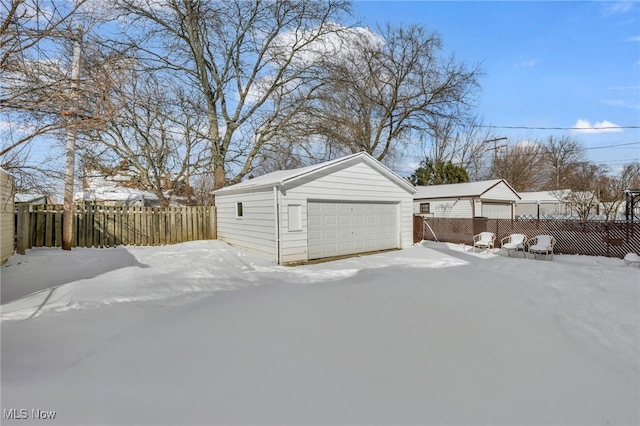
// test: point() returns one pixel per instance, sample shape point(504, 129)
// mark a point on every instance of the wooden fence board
point(40, 224)
point(102, 226)
point(48, 229)
point(185, 235)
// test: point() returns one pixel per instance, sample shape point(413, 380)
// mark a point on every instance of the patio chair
point(484, 240)
point(513, 242)
point(541, 245)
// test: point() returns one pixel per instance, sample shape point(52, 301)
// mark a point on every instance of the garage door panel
point(496, 210)
point(349, 228)
point(344, 220)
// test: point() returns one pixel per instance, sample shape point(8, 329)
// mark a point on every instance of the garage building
point(494, 199)
point(347, 206)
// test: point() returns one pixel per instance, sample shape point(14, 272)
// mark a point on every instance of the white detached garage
point(494, 199)
point(346, 206)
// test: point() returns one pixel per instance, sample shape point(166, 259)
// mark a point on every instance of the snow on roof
point(281, 177)
point(115, 194)
point(467, 189)
point(28, 198)
point(549, 196)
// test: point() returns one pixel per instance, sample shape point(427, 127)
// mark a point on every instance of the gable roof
point(467, 189)
point(544, 196)
point(283, 177)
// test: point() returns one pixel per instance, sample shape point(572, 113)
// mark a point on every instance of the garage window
point(425, 208)
point(239, 212)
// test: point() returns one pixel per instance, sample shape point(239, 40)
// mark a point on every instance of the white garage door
point(496, 210)
point(338, 228)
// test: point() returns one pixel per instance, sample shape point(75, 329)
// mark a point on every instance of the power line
point(612, 146)
point(628, 160)
point(559, 128)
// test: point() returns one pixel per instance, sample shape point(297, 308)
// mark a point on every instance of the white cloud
point(527, 64)
point(528, 144)
point(408, 167)
point(635, 38)
point(619, 7)
point(331, 41)
point(584, 126)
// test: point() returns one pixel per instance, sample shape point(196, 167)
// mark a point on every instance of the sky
point(195, 333)
point(545, 64)
point(548, 67)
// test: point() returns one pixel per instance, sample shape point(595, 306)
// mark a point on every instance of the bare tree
point(37, 104)
point(562, 156)
point(31, 78)
point(611, 189)
point(248, 59)
point(520, 165)
point(461, 141)
point(157, 133)
point(26, 24)
point(281, 156)
point(583, 197)
point(382, 91)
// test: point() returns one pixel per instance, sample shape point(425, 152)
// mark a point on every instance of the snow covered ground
point(202, 333)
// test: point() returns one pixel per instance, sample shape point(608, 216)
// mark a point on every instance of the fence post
point(214, 222)
point(22, 230)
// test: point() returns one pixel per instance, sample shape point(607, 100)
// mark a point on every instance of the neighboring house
point(33, 199)
point(560, 204)
point(541, 204)
point(490, 198)
point(342, 207)
point(6, 215)
point(122, 187)
point(118, 197)
point(117, 190)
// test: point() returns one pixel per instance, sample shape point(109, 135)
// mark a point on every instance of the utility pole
point(495, 149)
point(72, 130)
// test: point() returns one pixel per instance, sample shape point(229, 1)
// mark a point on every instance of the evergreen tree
point(438, 173)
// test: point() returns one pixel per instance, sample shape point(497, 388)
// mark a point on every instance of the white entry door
point(339, 228)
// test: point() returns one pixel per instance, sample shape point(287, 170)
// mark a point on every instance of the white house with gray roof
point(346, 206)
point(490, 198)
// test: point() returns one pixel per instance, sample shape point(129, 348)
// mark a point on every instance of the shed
point(346, 206)
point(489, 198)
point(6, 215)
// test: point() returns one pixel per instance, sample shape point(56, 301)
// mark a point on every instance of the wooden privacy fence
point(593, 238)
point(108, 226)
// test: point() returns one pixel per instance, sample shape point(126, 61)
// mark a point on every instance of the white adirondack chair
point(484, 240)
point(541, 245)
point(514, 242)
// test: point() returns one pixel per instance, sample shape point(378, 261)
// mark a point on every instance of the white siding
point(447, 207)
point(499, 192)
point(477, 209)
point(256, 229)
point(546, 209)
point(348, 182)
point(6, 216)
point(527, 209)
